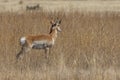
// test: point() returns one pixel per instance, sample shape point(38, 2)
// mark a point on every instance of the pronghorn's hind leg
point(23, 50)
point(20, 52)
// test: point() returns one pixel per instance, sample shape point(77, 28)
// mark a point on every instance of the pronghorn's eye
point(54, 25)
point(60, 22)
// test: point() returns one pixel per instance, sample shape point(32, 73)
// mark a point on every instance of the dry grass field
point(55, 5)
point(88, 48)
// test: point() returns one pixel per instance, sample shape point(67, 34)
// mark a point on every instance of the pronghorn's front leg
point(46, 52)
point(49, 50)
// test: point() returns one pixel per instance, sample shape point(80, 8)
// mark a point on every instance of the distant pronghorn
point(32, 7)
point(43, 41)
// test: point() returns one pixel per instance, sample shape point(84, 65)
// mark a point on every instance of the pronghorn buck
point(43, 41)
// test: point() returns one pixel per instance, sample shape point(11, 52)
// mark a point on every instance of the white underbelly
point(41, 44)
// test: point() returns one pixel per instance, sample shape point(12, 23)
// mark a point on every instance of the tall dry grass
point(88, 48)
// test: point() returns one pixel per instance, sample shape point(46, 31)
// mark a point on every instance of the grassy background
point(88, 48)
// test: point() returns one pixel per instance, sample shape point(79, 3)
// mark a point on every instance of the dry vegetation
point(54, 5)
point(88, 48)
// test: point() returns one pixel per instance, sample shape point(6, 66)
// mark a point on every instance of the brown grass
point(88, 48)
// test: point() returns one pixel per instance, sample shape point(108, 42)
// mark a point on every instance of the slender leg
point(49, 55)
point(46, 52)
point(23, 50)
point(49, 50)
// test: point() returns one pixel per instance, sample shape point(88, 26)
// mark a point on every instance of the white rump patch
point(22, 40)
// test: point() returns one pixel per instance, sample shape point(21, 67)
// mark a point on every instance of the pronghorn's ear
point(60, 21)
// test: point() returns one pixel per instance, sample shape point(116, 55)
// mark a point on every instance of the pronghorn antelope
point(43, 41)
point(32, 7)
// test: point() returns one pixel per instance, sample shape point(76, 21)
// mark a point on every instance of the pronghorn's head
point(56, 25)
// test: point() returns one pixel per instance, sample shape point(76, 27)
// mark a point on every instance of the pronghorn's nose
point(59, 29)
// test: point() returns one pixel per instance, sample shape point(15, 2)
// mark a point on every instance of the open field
point(94, 5)
point(88, 48)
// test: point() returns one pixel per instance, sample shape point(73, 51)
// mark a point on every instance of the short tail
point(22, 40)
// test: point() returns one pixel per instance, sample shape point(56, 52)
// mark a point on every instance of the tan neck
point(54, 34)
